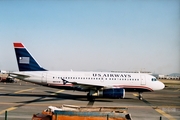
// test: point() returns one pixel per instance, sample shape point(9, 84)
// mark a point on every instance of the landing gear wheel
point(140, 96)
point(90, 97)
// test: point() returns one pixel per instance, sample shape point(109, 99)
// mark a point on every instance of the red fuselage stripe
point(118, 86)
point(126, 86)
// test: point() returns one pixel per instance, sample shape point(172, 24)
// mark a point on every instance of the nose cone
point(158, 85)
point(161, 85)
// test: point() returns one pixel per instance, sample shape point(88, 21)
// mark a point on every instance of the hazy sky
point(93, 35)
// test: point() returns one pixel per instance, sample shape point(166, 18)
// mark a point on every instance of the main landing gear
point(140, 96)
point(90, 97)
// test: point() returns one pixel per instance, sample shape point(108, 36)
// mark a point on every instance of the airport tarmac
point(22, 100)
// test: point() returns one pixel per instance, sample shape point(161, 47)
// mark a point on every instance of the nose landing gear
point(140, 96)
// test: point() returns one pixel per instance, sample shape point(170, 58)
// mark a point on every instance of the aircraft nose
point(158, 85)
point(161, 86)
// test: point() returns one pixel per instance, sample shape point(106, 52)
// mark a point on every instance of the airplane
point(96, 84)
point(3, 72)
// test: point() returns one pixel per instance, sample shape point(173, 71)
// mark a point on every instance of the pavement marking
point(57, 92)
point(161, 111)
point(136, 95)
point(13, 108)
point(177, 90)
point(8, 109)
point(24, 90)
point(165, 114)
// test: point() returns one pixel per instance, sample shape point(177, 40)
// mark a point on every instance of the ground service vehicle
point(71, 112)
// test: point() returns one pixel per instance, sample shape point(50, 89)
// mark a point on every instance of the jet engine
point(109, 93)
point(114, 93)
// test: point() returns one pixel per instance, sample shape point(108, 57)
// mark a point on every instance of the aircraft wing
point(83, 85)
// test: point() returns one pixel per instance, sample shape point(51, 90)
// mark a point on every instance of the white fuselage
point(85, 80)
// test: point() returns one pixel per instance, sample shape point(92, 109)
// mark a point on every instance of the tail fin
point(24, 59)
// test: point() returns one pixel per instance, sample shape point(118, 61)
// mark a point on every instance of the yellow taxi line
point(57, 92)
point(160, 111)
point(136, 95)
point(13, 108)
point(24, 90)
point(165, 114)
point(177, 90)
point(8, 109)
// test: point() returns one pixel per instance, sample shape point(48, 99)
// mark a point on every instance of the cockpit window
point(154, 79)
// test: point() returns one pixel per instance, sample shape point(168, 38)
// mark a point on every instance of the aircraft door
point(44, 78)
point(143, 80)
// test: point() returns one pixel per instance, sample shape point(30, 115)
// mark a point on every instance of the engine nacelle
point(114, 93)
point(110, 93)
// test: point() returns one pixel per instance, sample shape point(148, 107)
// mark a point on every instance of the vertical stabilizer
point(25, 60)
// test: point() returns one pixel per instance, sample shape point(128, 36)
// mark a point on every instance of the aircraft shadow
point(51, 96)
point(54, 97)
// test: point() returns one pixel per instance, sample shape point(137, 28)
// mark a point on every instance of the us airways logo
point(112, 75)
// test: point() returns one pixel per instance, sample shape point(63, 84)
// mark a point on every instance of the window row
point(88, 78)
